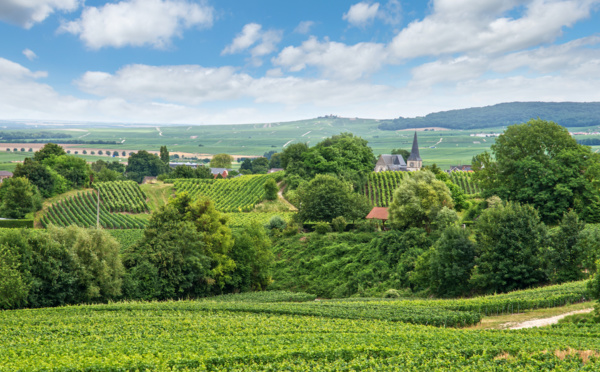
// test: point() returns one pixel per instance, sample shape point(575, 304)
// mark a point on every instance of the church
point(397, 163)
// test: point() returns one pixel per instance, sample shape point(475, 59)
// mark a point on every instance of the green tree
point(292, 155)
point(49, 150)
point(405, 153)
point(452, 260)
point(183, 171)
point(418, 200)
point(13, 289)
point(260, 165)
point(509, 243)
point(19, 197)
point(326, 197)
point(143, 164)
point(184, 252)
point(253, 259)
point(164, 155)
point(74, 169)
point(246, 166)
point(47, 180)
point(566, 255)
point(221, 161)
point(539, 163)
point(275, 161)
point(271, 189)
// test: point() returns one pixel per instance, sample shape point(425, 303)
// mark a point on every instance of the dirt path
point(546, 321)
point(280, 194)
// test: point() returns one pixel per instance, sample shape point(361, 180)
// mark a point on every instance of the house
point(4, 175)
point(397, 163)
point(222, 171)
point(463, 168)
point(273, 170)
point(378, 213)
point(193, 165)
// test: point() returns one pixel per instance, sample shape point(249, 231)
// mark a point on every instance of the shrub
point(339, 224)
point(391, 293)
point(276, 222)
point(322, 228)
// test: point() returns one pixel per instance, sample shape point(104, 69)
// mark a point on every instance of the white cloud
point(264, 42)
point(463, 26)
point(361, 13)
point(138, 22)
point(304, 27)
point(336, 60)
point(29, 54)
point(26, 13)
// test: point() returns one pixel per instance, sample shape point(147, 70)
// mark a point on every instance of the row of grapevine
point(253, 336)
point(81, 210)
point(122, 196)
point(239, 194)
point(246, 219)
point(465, 182)
point(381, 185)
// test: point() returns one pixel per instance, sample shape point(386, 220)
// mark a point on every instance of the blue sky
point(226, 61)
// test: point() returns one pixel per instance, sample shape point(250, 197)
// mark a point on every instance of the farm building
point(4, 175)
point(397, 163)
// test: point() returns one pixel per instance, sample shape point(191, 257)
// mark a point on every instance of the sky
point(256, 61)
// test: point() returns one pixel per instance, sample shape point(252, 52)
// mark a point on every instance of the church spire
point(414, 153)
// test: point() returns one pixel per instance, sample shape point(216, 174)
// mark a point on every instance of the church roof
point(393, 160)
point(380, 213)
point(414, 153)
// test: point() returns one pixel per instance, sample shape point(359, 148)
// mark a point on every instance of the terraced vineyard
point(239, 194)
point(464, 181)
point(245, 219)
point(256, 332)
point(81, 209)
point(381, 185)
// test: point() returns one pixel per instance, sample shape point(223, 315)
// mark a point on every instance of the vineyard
point(268, 332)
point(381, 185)
point(246, 219)
point(81, 209)
point(239, 194)
point(465, 182)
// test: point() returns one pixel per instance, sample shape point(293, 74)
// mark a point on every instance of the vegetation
point(381, 185)
point(464, 180)
point(221, 161)
point(568, 114)
point(143, 164)
point(18, 198)
point(232, 195)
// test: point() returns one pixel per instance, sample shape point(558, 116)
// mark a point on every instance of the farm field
point(263, 331)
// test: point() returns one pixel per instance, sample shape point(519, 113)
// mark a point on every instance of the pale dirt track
point(546, 321)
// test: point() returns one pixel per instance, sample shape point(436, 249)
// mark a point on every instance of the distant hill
point(567, 114)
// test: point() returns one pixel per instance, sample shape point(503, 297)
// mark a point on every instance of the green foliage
point(264, 297)
point(221, 161)
point(418, 200)
point(405, 153)
point(277, 222)
point(253, 259)
point(16, 224)
point(539, 163)
point(465, 181)
point(260, 165)
point(72, 168)
point(143, 164)
point(589, 242)
point(239, 194)
point(509, 242)
point(19, 197)
point(271, 189)
point(49, 182)
point(566, 256)
point(13, 290)
point(184, 252)
point(322, 228)
point(326, 197)
point(164, 155)
point(339, 224)
point(452, 259)
point(48, 151)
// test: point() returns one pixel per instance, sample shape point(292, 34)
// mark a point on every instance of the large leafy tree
point(326, 197)
point(539, 163)
point(74, 169)
point(142, 164)
point(164, 155)
point(49, 150)
point(184, 252)
point(221, 161)
point(48, 181)
point(260, 165)
point(19, 197)
point(510, 239)
point(418, 200)
point(566, 255)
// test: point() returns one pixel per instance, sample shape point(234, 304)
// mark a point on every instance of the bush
point(339, 224)
point(276, 222)
point(16, 224)
point(322, 228)
point(391, 293)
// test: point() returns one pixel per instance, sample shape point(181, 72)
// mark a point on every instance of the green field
point(264, 331)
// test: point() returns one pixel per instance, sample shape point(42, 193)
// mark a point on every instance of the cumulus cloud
point(336, 60)
point(138, 22)
point(29, 54)
point(263, 42)
point(463, 26)
point(26, 13)
point(361, 13)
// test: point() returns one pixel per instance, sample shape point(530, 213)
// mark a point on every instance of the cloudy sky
point(245, 61)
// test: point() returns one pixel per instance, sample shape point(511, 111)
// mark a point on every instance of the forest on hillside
point(567, 114)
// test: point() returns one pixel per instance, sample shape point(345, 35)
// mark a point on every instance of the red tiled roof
point(380, 213)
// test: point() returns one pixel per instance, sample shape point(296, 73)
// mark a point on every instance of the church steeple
point(414, 160)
